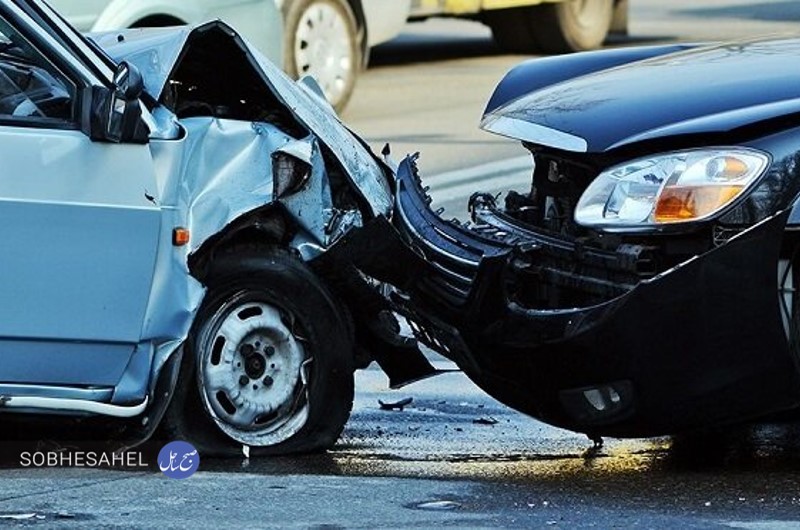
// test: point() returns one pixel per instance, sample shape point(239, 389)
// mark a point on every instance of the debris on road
point(18, 516)
point(439, 505)
point(395, 405)
point(488, 420)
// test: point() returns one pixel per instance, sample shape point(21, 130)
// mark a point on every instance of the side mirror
point(124, 113)
point(128, 82)
point(115, 115)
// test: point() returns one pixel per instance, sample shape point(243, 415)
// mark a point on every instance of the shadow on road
point(758, 447)
point(410, 49)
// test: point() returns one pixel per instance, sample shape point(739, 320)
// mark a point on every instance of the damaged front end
point(207, 291)
point(262, 161)
point(597, 340)
point(639, 285)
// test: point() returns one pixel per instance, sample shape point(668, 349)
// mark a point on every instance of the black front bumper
point(698, 345)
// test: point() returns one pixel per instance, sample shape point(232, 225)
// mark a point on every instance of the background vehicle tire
point(511, 29)
point(268, 363)
point(570, 26)
point(619, 22)
point(322, 39)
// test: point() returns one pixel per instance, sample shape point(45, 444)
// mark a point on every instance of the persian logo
point(178, 460)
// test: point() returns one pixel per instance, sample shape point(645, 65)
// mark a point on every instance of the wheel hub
point(254, 357)
point(255, 366)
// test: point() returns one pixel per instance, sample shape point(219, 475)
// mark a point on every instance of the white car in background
point(327, 39)
point(330, 39)
point(259, 21)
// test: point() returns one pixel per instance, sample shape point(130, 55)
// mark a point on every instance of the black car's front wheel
point(269, 360)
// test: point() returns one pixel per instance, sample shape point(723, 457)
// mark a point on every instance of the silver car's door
point(79, 225)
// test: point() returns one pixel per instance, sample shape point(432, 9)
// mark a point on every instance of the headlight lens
point(672, 188)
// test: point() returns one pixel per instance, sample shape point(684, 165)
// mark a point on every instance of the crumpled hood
point(156, 52)
point(706, 90)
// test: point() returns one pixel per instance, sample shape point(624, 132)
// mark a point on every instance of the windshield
point(52, 22)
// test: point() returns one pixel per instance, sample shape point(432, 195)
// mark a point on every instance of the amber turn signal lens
point(684, 203)
point(180, 236)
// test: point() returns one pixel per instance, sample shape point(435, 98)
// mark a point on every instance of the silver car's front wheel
point(253, 371)
point(269, 361)
point(322, 40)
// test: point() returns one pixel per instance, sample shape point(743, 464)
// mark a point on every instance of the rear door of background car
point(78, 222)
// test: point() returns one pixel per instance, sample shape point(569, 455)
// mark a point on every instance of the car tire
point(511, 30)
point(564, 27)
point(572, 26)
point(266, 318)
point(322, 39)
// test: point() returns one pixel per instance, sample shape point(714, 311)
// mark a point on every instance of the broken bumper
point(701, 344)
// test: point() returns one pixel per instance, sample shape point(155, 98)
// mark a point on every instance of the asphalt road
point(455, 457)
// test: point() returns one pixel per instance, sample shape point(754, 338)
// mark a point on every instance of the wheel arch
point(291, 284)
point(125, 14)
point(269, 225)
point(158, 21)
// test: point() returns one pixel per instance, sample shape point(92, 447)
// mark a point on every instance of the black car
point(644, 283)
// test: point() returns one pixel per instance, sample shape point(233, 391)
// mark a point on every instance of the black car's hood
point(705, 90)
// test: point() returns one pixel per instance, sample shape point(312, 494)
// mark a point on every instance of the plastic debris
point(395, 405)
point(18, 516)
point(439, 505)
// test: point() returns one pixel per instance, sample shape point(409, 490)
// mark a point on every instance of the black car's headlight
point(678, 187)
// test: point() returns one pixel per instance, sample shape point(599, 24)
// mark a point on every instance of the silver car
point(180, 225)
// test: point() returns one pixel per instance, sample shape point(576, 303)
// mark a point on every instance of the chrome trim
point(71, 405)
point(97, 394)
point(533, 132)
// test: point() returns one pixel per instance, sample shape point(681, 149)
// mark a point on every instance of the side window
point(31, 87)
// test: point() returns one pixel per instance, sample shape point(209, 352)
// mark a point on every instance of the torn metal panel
point(221, 170)
point(212, 171)
point(312, 206)
point(154, 51)
point(163, 52)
